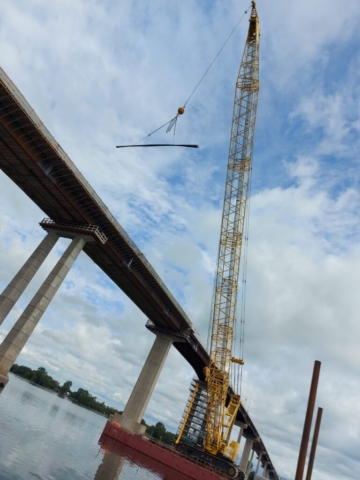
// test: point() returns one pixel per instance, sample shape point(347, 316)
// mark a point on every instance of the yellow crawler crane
point(220, 418)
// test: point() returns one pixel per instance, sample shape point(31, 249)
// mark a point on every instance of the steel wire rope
point(243, 292)
point(235, 350)
point(221, 49)
point(201, 79)
point(243, 309)
point(211, 316)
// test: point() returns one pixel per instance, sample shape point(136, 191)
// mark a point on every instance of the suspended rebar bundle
point(219, 417)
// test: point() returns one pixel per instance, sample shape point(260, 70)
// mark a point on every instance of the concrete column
point(265, 472)
point(258, 463)
point(18, 336)
point(249, 463)
point(246, 454)
point(241, 431)
point(144, 387)
point(16, 287)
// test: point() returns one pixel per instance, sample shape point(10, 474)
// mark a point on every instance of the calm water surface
point(45, 437)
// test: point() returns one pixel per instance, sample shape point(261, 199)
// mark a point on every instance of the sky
point(103, 73)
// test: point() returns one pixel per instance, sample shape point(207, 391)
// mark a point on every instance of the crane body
point(222, 408)
point(219, 417)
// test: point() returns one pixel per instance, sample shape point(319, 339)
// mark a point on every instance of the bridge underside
point(31, 157)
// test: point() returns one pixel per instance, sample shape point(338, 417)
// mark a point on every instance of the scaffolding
point(193, 422)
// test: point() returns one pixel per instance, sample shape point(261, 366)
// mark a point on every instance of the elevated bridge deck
point(35, 161)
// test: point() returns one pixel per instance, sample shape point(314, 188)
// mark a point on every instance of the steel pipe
point(314, 444)
point(308, 419)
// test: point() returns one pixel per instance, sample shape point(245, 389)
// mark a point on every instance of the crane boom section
point(231, 239)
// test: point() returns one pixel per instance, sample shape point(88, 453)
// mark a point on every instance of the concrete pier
point(144, 387)
point(265, 472)
point(246, 454)
point(18, 336)
point(250, 464)
point(242, 426)
point(258, 463)
point(16, 287)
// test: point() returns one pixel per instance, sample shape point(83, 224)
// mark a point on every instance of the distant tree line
point(39, 376)
point(85, 399)
point(82, 397)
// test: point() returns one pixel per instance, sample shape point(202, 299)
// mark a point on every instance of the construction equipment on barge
point(222, 406)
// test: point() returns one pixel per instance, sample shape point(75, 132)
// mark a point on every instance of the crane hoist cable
point(239, 327)
point(181, 110)
point(243, 293)
point(239, 337)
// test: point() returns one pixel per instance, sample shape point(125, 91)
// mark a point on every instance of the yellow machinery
point(220, 418)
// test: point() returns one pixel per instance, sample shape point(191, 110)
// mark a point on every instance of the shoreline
point(30, 382)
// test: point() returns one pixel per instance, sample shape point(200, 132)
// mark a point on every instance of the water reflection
point(110, 467)
point(53, 411)
point(45, 437)
point(123, 467)
point(26, 397)
point(73, 419)
point(118, 455)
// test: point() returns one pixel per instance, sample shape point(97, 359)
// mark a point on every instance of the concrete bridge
point(32, 158)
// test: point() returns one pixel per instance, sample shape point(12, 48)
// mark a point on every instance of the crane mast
point(219, 417)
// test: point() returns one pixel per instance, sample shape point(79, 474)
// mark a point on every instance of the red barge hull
point(116, 439)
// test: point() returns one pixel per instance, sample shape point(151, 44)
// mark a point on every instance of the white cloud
point(103, 73)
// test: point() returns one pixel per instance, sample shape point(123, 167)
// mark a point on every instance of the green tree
point(159, 432)
point(39, 376)
point(82, 396)
point(47, 381)
point(65, 388)
point(21, 370)
point(40, 372)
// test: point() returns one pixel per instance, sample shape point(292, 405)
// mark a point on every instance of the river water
point(45, 437)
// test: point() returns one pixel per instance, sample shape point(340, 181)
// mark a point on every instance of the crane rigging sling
point(181, 110)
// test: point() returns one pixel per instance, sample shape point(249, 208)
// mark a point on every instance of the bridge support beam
point(266, 472)
point(246, 454)
point(144, 387)
point(16, 287)
point(18, 336)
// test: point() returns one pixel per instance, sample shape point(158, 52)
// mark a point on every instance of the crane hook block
point(181, 110)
